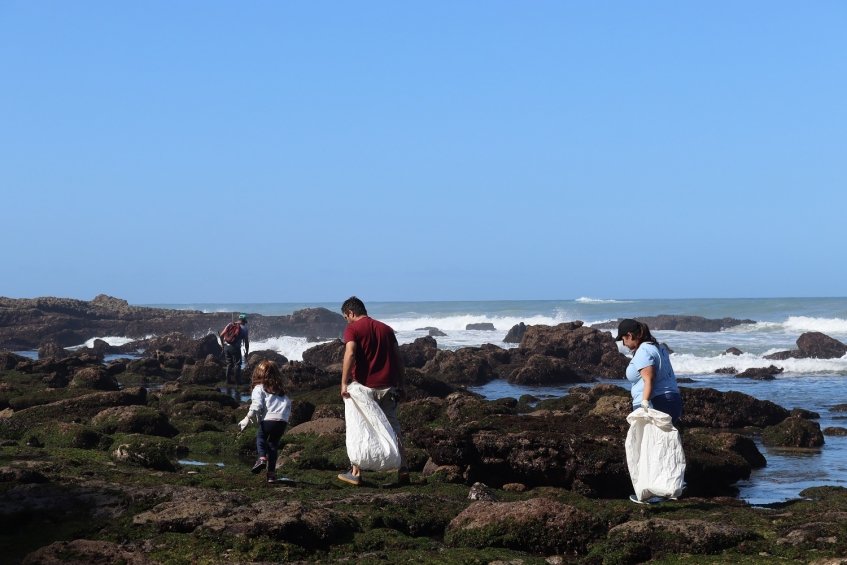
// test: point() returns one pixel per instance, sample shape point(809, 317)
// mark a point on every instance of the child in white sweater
point(270, 408)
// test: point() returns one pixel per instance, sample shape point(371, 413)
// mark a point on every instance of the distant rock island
point(25, 323)
point(680, 323)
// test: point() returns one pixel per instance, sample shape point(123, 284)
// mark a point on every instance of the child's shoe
point(271, 477)
point(260, 464)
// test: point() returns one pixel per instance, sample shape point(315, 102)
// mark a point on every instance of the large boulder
point(146, 451)
point(793, 432)
point(812, 345)
point(133, 420)
point(709, 408)
point(587, 350)
point(537, 525)
point(417, 353)
point(325, 355)
point(546, 370)
point(656, 537)
point(94, 378)
point(760, 373)
point(515, 335)
point(206, 372)
point(468, 365)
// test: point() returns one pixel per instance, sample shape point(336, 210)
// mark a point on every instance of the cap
point(626, 326)
point(242, 317)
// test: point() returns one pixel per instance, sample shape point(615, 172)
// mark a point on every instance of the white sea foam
point(459, 322)
point(589, 300)
point(688, 364)
point(810, 324)
point(291, 347)
point(112, 340)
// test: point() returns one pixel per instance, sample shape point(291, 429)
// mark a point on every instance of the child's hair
point(268, 373)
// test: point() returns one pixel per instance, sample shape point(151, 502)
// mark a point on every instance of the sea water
point(813, 384)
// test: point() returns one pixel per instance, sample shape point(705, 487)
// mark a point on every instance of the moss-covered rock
point(71, 435)
point(133, 420)
point(793, 432)
point(150, 452)
point(93, 378)
point(76, 409)
point(660, 536)
point(537, 525)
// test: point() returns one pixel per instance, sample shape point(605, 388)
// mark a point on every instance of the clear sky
point(168, 152)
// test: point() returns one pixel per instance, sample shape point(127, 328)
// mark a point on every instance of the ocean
point(814, 384)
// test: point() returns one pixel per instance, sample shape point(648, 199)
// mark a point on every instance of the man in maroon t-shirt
point(372, 359)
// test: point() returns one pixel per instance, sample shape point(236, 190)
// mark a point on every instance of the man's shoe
point(350, 478)
point(259, 465)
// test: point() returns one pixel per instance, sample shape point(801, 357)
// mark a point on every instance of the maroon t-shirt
point(375, 365)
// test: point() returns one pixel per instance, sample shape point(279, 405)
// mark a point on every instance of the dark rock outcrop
point(812, 345)
point(538, 525)
point(586, 350)
point(709, 408)
point(681, 323)
point(515, 335)
point(484, 326)
point(463, 366)
point(417, 353)
point(431, 331)
point(325, 354)
point(793, 432)
point(547, 370)
point(28, 322)
point(760, 373)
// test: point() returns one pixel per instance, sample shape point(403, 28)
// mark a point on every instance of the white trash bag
point(654, 455)
point(371, 441)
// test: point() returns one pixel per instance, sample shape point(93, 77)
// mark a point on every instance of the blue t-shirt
point(664, 379)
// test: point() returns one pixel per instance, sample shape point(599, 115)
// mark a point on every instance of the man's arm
point(347, 364)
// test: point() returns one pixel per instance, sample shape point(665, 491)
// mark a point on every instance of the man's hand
point(344, 393)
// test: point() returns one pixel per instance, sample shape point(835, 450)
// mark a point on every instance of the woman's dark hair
point(268, 373)
point(354, 305)
point(643, 335)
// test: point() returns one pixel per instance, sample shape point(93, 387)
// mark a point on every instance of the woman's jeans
point(671, 404)
point(267, 441)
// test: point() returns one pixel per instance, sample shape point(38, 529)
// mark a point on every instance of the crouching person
point(270, 408)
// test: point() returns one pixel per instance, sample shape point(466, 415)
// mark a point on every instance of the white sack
point(371, 441)
point(654, 455)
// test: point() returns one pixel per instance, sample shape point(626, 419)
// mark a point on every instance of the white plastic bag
point(654, 455)
point(371, 441)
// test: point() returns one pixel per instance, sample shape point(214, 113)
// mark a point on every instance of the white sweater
point(267, 406)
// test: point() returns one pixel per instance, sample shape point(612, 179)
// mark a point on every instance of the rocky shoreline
point(139, 461)
point(28, 323)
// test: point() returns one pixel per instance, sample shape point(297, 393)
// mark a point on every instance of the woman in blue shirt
point(650, 371)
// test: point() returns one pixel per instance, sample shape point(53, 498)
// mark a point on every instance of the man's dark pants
point(232, 356)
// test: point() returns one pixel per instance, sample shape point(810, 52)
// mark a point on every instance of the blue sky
point(168, 152)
